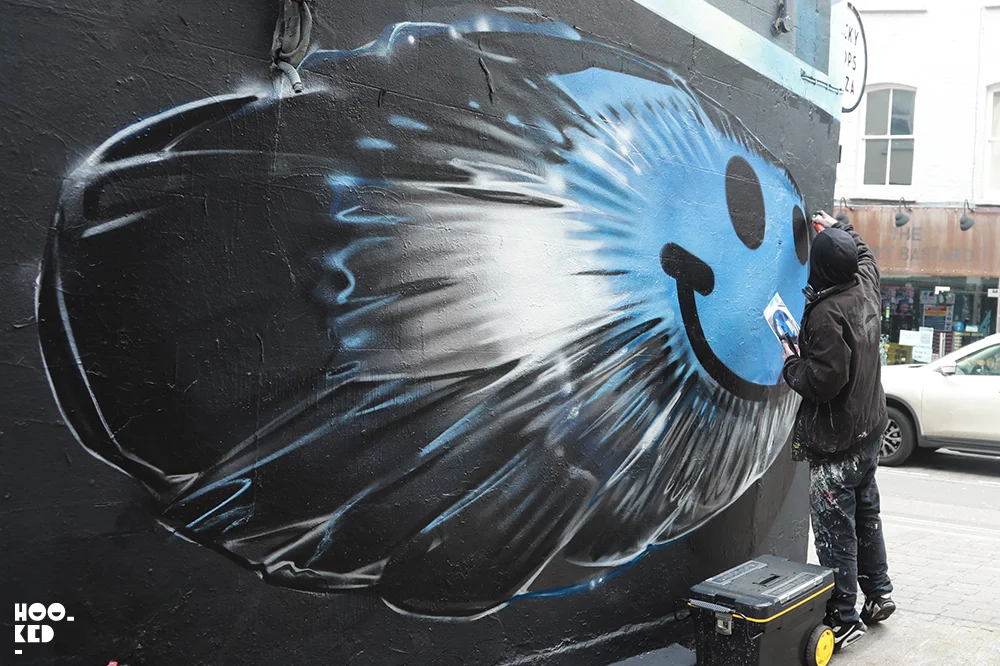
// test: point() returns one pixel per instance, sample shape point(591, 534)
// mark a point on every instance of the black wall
point(76, 531)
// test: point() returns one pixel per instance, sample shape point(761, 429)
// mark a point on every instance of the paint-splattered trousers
point(845, 514)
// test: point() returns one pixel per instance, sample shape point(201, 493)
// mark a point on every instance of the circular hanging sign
point(855, 58)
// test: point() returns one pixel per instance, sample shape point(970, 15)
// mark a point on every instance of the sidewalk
point(947, 584)
point(912, 638)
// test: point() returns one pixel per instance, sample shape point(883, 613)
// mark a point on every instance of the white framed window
point(993, 143)
point(888, 138)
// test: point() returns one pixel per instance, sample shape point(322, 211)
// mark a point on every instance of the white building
point(937, 63)
point(924, 141)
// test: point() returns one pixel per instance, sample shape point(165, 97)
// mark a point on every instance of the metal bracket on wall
point(782, 22)
point(292, 34)
point(822, 84)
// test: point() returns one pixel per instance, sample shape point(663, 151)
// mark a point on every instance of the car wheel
point(898, 441)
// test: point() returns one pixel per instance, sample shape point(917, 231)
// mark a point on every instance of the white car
point(953, 402)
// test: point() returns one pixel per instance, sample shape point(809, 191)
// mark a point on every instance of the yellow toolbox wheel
point(819, 648)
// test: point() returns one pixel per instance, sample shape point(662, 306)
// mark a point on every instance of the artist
point(838, 429)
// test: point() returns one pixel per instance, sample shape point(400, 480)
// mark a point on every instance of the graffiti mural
point(494, 338)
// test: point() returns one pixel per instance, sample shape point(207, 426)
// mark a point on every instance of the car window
point(985, 362)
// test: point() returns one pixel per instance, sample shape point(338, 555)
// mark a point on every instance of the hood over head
point(833, 259)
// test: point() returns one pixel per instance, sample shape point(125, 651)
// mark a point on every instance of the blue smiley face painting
point(728, 218)
point(495, 335)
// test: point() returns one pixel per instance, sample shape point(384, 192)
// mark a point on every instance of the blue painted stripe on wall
point(721, 31)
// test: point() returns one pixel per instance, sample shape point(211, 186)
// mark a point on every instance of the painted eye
point(746, 202)
point(801, 231)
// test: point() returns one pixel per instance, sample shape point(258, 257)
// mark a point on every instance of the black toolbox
point(766, 612)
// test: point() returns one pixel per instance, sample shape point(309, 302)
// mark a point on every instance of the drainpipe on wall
point(979, 83)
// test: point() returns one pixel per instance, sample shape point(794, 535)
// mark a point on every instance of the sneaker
point(846, 634)
point(877, 610)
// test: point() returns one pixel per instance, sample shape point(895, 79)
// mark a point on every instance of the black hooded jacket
point(838, 372)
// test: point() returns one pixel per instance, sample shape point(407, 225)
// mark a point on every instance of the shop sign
point(909, 247)
point(854, 57)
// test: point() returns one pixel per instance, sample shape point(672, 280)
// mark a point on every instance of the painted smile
point(694, 275)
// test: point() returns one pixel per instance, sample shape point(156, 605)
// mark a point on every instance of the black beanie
point(833, 259)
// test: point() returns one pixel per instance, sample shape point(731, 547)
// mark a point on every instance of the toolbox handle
point(715, 608)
